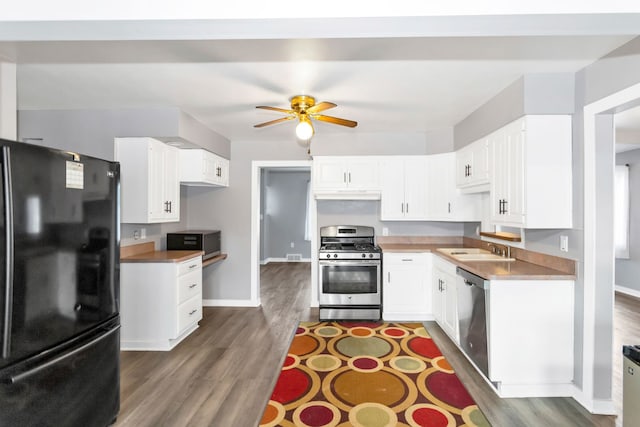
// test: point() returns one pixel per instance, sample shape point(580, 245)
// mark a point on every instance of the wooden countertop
point(490, 270)
point(162, 256)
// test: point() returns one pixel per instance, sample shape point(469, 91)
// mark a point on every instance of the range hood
point(347, 195)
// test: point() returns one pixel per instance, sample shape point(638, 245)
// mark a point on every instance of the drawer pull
point(192, 312)
point(193, 266)
point(193, 286)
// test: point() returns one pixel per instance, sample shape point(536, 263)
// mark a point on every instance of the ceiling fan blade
point(335, 120)
point(282, 110)
point(273, 122)
point(320, 107)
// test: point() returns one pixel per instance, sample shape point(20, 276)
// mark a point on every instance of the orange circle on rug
point(361, 332)
point(442, 364)
point(382, 387)
point(273, 414)
point(303, 344)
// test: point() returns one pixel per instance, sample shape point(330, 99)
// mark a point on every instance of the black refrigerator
point(59, 288)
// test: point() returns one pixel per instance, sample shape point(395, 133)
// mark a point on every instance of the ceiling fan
point(304, 108)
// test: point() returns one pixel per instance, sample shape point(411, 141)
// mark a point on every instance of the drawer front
point(189, 312)
point(189, 285)
point(190, 265)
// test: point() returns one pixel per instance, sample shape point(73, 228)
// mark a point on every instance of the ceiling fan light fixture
point(304, 129)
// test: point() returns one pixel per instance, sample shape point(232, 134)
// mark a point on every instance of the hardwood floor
point(223, 373)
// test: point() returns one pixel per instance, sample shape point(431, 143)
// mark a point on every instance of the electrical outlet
point(136, 234)
point(564, 243)
point(293, 244)
point(143, 233)
point(385, 231)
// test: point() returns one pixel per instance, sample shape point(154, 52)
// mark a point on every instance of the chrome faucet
point(502, 250)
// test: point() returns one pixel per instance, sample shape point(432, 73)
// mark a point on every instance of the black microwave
point(207, 241)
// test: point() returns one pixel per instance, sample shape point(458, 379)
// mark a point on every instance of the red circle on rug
point(365, 363)
point(288, 361)
point(291, 385)
point(300, 331)
point(316, 415)
point(395, 332)
point(427, 417)
point(424, 347)
point(449, 389)
point(371, 325)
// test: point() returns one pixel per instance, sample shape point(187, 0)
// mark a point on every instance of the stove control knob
point(335, 255)
point(328, 255)
point(370, 255)
point(364, 255)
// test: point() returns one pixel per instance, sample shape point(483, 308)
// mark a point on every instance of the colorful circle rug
point(368, 374)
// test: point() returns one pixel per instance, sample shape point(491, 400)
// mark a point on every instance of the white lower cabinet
point(406, 287)
point(160, 303)
point(445, 308)
point(531, 337)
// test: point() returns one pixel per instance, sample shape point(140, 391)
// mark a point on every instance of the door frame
point(594, 229)
point(256, 167)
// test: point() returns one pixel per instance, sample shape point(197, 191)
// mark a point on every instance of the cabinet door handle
point(344, 177)
point(402, 207)
point(407, 207)
point(192, 312)
point(389, 276)
point(193, 285)
point(505, 206)
point(349, 177)
point(449, 207)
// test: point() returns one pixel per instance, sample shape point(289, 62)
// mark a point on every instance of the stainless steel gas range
point(349, 273)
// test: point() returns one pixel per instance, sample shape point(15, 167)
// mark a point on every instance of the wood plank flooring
point(223, 374)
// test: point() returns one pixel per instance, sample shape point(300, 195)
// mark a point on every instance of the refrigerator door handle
point(14, 379)
point(8, 276)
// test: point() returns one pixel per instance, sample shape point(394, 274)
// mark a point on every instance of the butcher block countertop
point(145, 252)
point(527, 266)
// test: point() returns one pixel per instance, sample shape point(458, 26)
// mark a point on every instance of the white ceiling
point(404, 84)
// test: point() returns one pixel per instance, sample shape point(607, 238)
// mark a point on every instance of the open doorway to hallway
point(283, 219)
point(626, 229)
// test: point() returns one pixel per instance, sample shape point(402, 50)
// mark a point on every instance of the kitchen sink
point(473, 254)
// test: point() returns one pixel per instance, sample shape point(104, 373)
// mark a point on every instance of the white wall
point(8, 101)
point(628, 270)
point(284, 213)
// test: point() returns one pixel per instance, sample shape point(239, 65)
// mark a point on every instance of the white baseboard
point(627, 291)
point(230, 303)
point(594, 406)
point(268, 260)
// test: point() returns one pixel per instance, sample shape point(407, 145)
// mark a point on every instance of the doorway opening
point(261, 170)
point(598, 296)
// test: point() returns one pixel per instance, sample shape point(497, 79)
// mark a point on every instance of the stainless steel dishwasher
point(473, 309)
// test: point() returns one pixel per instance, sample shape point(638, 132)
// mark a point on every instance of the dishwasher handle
point(471, 279)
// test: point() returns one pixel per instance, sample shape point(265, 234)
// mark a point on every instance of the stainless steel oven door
point(349, 282)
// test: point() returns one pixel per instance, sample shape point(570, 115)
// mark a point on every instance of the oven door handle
point(349, 262)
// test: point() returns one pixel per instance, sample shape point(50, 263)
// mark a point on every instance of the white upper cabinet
point(445, 201)
point(404, 188)
point(346, 177)
point(531, 185)
point(202, 168)
point(472, 167)
point(149, 176)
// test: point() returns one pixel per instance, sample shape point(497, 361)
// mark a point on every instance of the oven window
point(350, 279)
